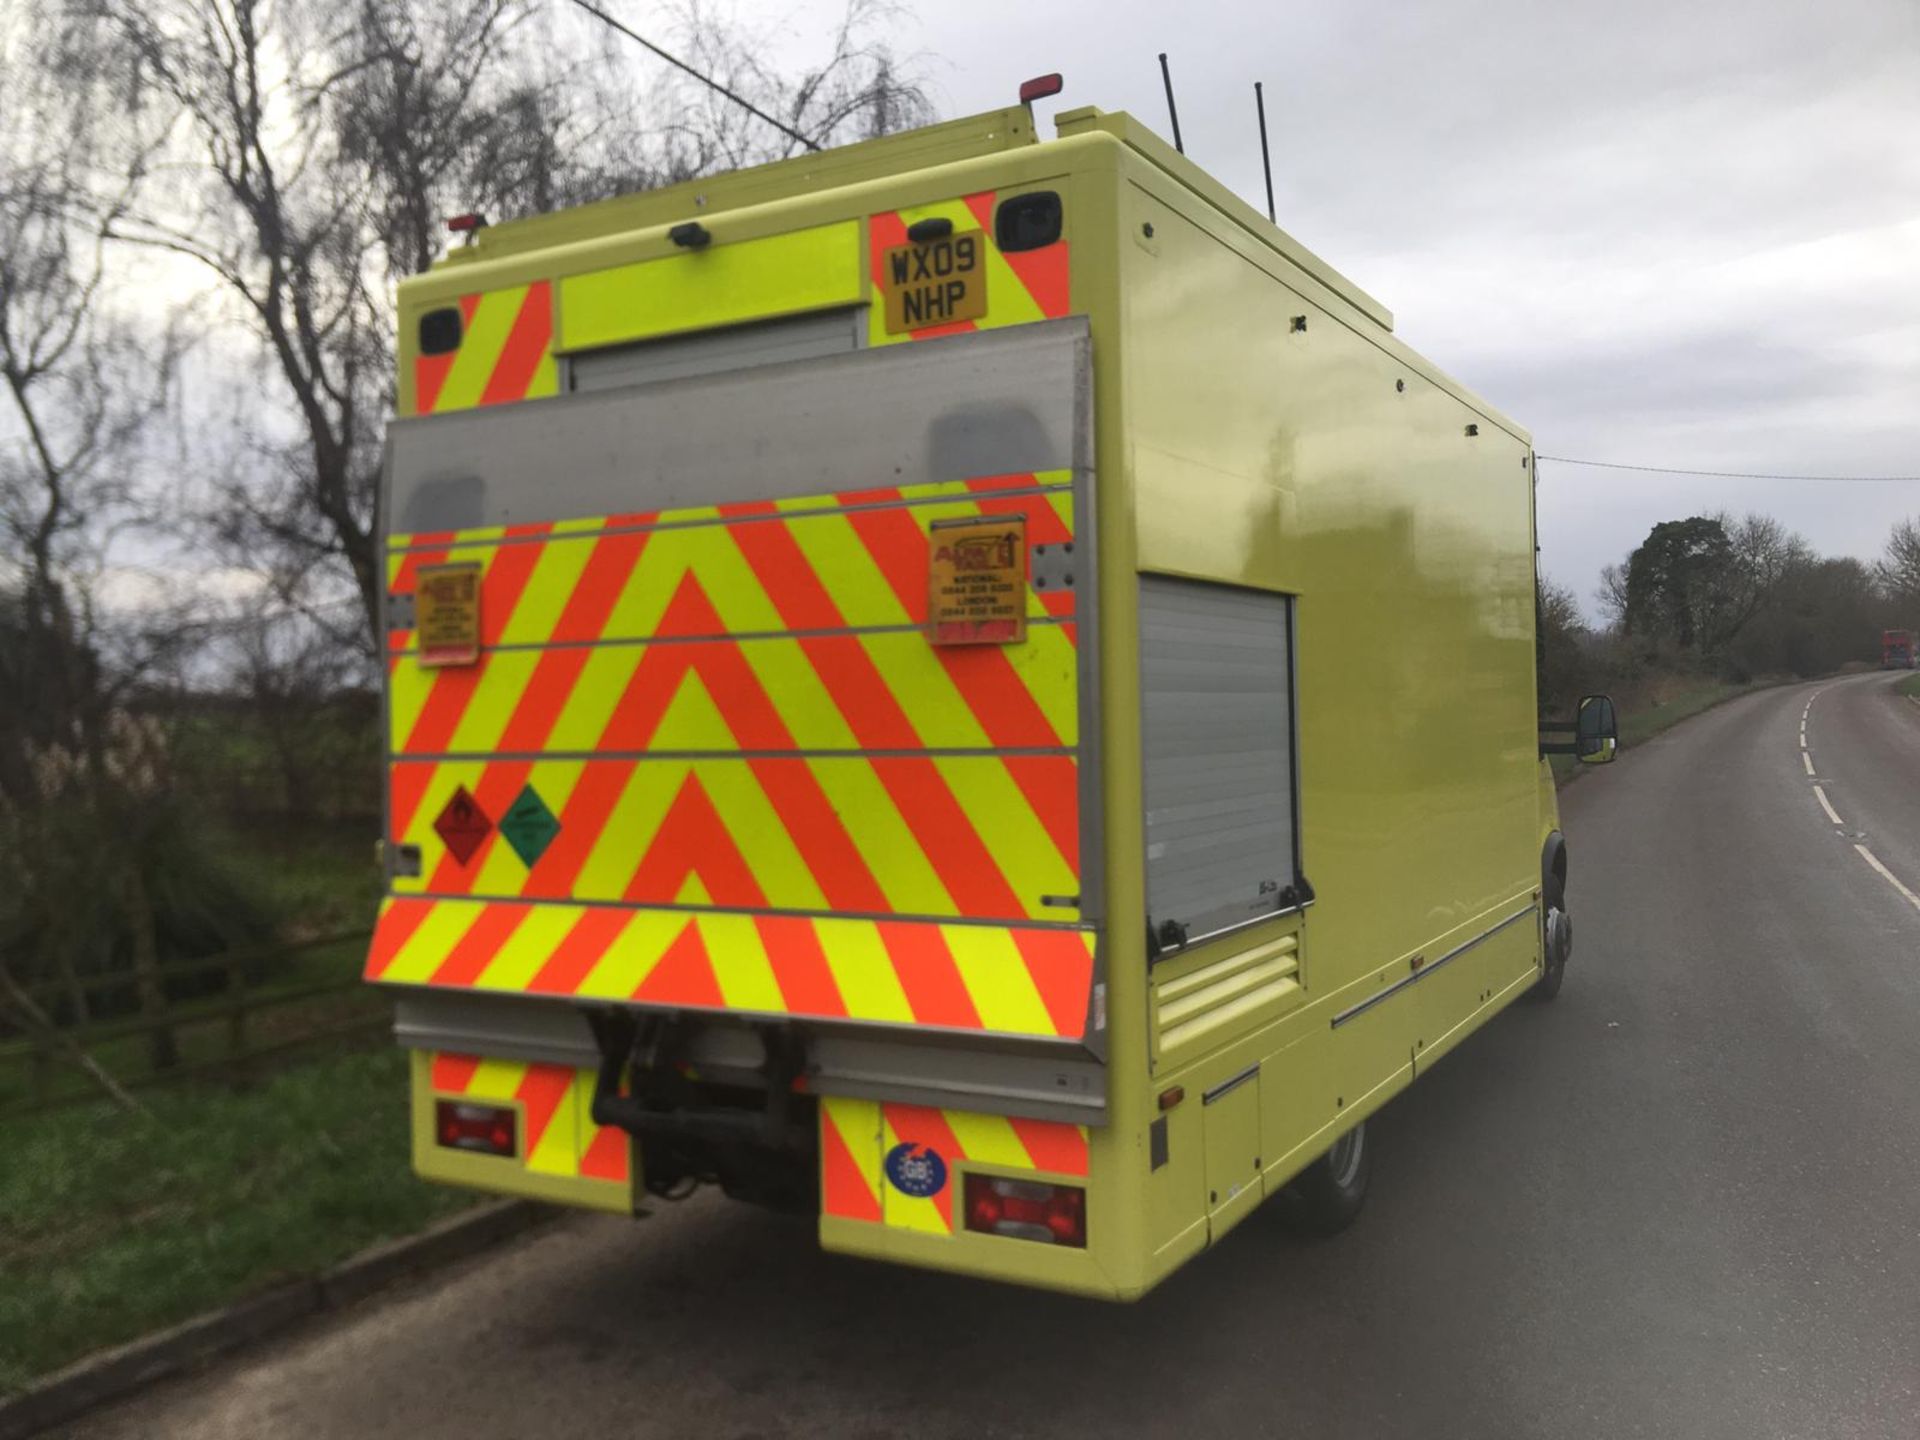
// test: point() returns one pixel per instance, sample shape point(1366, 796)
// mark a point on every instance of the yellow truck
point(963, 685)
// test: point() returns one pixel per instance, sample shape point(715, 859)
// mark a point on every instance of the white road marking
point(1803, 739)
point(1827, 805)
point(1807, 760)
point(1887, 875)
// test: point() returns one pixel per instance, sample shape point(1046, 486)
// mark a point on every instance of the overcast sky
point(1673, 233)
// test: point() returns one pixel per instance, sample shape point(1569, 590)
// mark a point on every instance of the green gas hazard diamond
point(529, 826)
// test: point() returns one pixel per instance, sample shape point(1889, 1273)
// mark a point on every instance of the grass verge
point(112, 1226)
point(1910, 686)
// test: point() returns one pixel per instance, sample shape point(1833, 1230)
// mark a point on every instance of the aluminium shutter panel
point(1216, 686)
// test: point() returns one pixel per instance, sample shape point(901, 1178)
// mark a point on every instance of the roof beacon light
point(469, 225)
point(1040, 87)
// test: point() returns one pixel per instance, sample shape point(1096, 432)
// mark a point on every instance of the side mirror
point(1596, 733)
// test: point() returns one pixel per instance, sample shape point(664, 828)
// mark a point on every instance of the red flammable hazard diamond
point(462, 826)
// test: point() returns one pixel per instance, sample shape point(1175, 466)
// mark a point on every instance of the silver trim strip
point(1425, 970)
point(938, 752)
point(1251, 1072)
point(1033, 622)
point(997, 922)
point(1091, 1111)
point(907, 1029)
point(704, 521)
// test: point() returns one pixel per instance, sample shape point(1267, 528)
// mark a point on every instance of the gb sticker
point(916, 1170)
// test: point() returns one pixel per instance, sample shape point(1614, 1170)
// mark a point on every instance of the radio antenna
point(1173, 111)
point(1266, 160)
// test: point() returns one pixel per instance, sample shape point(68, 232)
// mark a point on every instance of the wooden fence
point(259, 1011)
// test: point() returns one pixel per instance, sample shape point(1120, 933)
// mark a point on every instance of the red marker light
point(488, 1129)
point(466, 224)
point(1040, 87)
point(1025, 1210)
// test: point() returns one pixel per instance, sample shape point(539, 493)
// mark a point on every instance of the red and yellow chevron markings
point(1011, 980)
point(771, 792)
point(1024, 286)
point(856, 1136)
point(792, 824)
point(504, 354)
point(557, 1133)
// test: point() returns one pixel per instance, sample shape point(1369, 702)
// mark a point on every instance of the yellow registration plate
point(935, 284)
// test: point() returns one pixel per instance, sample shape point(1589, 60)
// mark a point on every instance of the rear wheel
point(1556, 942)
point(1329, 1194)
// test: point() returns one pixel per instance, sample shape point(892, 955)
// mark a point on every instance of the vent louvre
point(1215, 1002)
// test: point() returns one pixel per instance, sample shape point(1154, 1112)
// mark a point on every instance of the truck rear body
point(920, 727)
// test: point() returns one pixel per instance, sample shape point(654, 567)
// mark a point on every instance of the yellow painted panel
point(762, 839)
point(636, 817)
point(863, 970)
point(428, 946)
point(548, 591)
point(808, 710)
point(531, 945)
point(858, 1123)
point(998, 980)
point(724, 284)
point(893, 856)
point(1012, 833)
point(740, 963)
point(988, 1139)
point(904, 1211)
point(590, 704)
point(480, 347)
point(631, 958)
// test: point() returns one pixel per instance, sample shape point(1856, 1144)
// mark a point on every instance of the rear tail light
point(486, 1128)
point(1025, 1210)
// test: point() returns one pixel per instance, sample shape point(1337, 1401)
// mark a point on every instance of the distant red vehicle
point(1896, 649)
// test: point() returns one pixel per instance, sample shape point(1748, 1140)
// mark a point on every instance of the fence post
point(39, 1067)
point(236, 1021)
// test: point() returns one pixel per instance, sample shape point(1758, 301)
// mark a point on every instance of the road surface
point(1684, 1200)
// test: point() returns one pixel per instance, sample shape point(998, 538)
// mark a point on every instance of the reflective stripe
point(625, 742)
point(857, 1135)
point(1008, 980)
point(557, 1133)
point(505, 353)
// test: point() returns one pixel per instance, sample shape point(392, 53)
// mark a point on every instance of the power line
point(674, 60)
point(1738, 474)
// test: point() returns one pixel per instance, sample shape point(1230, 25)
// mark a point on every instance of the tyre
point(1329, 1194)
point(1557, 943)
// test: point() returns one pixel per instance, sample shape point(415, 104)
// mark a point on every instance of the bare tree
point(1611, 594)
point(1898, 571)
point(326, 142)
point(1764, 554)
point(78, 391)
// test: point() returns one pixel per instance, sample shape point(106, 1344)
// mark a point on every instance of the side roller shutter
point(1216, 681)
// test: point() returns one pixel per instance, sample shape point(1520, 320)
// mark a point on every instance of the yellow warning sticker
point(978, 581)
point(935, 284)
point(446, 614)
